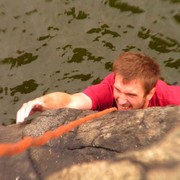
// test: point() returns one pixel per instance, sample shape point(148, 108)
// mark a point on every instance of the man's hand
point(29, 108)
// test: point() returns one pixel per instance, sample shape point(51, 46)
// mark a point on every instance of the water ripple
point(103, 30)
point(173, 1)
point(82, 77)
point(159, 42)
point(31, 12)
point(41, 38)
point(122, 6)
point(172, 63)
point(76, 15)
point(177, 18)
point(79, 54)
point(23, 59)
point(25, 88)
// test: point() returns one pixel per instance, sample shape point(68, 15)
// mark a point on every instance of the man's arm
point(54, 100)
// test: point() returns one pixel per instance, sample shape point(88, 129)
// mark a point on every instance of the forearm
point(54, 100)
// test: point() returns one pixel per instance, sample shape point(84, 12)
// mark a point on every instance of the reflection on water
point(177, 17)
point(108, 66)
point(23, 59)
point(103, 30)
point(25, 88)
point(173, 1)
point(66, 45)
point(158, 42)
point(82, 77)
point(123, 6)
point(80, 54)
point(72, 12)
point(173, 63)
point(164, 45)
point(45, 37)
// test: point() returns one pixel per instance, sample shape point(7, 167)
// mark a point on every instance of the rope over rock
point(24, 144)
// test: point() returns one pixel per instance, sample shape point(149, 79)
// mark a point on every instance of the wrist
point(40, 105)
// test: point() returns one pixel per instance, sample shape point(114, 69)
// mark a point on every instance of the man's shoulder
point(165, 94)
point(163, 86)
point(109, 78)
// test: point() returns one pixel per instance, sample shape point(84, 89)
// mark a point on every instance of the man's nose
point(122, 100)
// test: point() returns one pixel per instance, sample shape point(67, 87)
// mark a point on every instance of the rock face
point(138, 144)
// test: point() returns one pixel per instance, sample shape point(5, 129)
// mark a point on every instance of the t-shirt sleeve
point(102, 93)
point(165, 95)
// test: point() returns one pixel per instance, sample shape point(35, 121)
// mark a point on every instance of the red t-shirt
point(102, 94)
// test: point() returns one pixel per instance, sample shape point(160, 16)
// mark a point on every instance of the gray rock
point(138, 144)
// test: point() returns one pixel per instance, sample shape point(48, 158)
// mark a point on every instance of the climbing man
point(134, 84)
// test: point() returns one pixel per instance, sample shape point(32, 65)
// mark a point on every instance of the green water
point(66, 45)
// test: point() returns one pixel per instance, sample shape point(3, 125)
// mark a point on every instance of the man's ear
point(151, 93)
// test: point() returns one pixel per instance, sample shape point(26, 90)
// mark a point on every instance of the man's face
point(130, 95)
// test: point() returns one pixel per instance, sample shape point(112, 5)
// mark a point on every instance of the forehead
point(135, 86)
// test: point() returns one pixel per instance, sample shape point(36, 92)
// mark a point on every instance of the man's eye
point(132, 95)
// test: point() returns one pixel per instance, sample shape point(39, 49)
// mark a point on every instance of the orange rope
point(25, 143)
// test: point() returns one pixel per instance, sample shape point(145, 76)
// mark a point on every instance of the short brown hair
point(133, 65)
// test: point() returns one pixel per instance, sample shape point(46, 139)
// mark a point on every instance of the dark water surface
point(66, 45)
